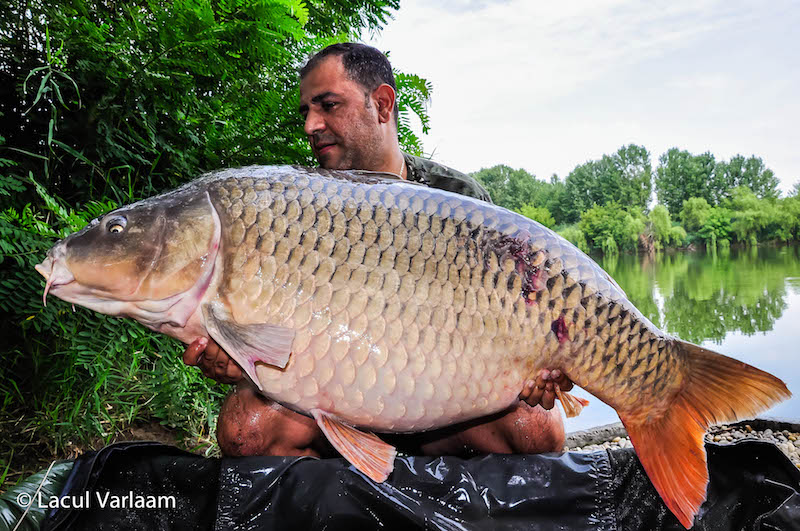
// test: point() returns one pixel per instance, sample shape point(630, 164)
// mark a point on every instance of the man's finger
point(192, 354)
point(533, 390)
point(564, 383)
point(233, 373)
point(548, 400)
point(527, 389)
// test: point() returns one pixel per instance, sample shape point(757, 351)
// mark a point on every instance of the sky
point(546, 86)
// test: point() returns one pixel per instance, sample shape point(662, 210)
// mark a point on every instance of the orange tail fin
point(670, 448)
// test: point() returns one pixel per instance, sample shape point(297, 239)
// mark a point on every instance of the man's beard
point(361, 152)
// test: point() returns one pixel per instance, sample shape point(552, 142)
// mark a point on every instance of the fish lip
point(56, 273)
point(45, 268)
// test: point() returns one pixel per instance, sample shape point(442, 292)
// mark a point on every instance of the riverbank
point(784, 435)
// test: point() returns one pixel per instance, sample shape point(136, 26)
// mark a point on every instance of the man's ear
point(384, 97)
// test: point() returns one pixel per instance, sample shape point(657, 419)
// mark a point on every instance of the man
point(348, 100)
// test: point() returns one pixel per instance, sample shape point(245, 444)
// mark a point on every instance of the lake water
point(744, 303)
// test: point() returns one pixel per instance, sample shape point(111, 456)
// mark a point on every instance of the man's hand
point(212, 361)
point(542, 391)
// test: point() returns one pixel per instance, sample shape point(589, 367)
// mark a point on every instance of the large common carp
point(376, 304)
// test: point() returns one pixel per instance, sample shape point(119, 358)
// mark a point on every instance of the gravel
point(783, 435)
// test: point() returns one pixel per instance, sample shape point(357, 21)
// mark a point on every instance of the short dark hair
point(363, 64)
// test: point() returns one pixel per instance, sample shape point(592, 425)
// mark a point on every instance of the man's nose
point(314, 123)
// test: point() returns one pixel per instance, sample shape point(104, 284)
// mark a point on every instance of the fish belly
point(395, 387)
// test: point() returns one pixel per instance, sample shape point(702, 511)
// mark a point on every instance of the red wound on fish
point(559, 328)
point(538, 279)
point(517, 248)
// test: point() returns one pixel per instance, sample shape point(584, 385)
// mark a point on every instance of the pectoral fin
point(364, 450)
point(572, 405)
point(247, 344)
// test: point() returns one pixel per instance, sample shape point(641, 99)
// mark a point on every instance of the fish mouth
point(56, 273)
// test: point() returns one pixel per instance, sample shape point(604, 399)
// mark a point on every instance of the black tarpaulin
point(753, 486)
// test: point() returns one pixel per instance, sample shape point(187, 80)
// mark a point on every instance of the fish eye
point(116, 225)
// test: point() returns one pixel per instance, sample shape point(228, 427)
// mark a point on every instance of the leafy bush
point(695, 213)
point(716, 229)
point(575, 236)
point(612, 228)
point(755, 219)
point(664, 231)
point(540, 214)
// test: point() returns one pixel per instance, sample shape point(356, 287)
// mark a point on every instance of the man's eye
point(328, 105)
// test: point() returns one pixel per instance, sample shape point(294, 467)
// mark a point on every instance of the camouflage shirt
point(439, 176)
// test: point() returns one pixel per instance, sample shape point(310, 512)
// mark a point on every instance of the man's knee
point(250, 424)
point(553, 436)
point(239, 426)
point(536, 430)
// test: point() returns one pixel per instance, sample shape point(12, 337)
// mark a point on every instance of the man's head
point(348, 100)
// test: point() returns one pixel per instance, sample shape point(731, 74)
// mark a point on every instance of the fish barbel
point(376, 304)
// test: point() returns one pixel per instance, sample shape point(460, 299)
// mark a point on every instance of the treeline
point(605, 205)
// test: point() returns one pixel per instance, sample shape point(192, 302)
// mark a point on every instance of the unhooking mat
point(753, 486)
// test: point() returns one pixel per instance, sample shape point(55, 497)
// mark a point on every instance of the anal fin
point(247, 344)
point(572, 404)
point(363, 450)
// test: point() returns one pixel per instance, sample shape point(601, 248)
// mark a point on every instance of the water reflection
point(699, 296)
point(744, 303)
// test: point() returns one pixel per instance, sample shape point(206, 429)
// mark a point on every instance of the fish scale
point(371, 303)
point(457, 249)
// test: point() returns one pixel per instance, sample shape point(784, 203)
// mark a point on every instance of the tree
point(760, 179)
point(681, 175)
point(624, 177)
point(716, 228)
point(612, 227)
point(508, 187)
point(540, 214)
point(554, 197)
point(695, 212)
point(754, 220)
point(664, 232)
point(751, 173)
point(154, 93)
point(631, 184)
point(582, 188)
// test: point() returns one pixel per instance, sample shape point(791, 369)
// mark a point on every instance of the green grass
point(88, 381)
